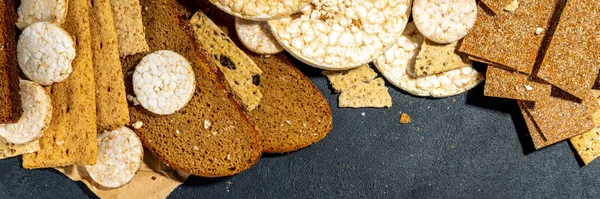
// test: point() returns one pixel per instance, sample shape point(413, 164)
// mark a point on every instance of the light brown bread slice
point(293, 113)
point(111, 100)
point(8, 149)
point(438, 58)
point(71, 137)
point(241, 73)
point(208, 137)
point(130, 29)
point(10, 101)
point(343, 80)
point(372, 94)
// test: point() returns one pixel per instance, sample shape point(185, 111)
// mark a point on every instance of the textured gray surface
point(474, 147)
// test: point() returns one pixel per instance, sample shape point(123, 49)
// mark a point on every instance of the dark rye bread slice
point(71, 137)
point(293, 113)
point(210, 136)
point(10, 100)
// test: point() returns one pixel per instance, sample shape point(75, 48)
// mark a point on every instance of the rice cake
point(562, 116)
point(260, 10)
point(372, 94)
point(496, 6)
point(514, 85)
point(509, 39)
point(71, 137)
point(257, 37)
point(32, 11)
point(343, 80)
point(8, 149)
point(572, 60)
point(444, 21)
point(438, 58)
point(585, 144)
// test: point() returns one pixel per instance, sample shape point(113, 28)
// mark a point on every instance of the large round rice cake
point(31, 11)
point(342, 34)
point(37, 114)
point(444, 21)
point(120, 156)
point(399, 59)
point(260, 10)
point(163, 82)
point(256, 36)
point(45, 53)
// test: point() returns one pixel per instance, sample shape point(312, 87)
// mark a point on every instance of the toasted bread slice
point(208, 137)
point(10, 101)
point(71, 137)
point(293, 113)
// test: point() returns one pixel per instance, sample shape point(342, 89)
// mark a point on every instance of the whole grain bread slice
point(111, 100)
point(71, 137)
point(10, 100)
point(210, 136)
point(293, 114)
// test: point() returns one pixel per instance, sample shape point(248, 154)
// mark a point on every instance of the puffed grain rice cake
point(342, 34)
point(257, 37)
point(37, 113)
point(396, 62)
point(444, 21)
point(260, 10)
point(45, 53)
point(120, 155)
point(163, 82)
point(31, 11)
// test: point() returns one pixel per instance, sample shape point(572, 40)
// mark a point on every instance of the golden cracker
point(513, 85)
point(437, 58)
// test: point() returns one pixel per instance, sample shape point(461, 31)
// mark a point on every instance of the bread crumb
point(405, 118)
point(60, 142)
point(512, 6)
point(451, 146)
point(196, 148)
point(207, 124)
point(529, 88)
point(453, 100)
point(228, 157)
point(363, 114)
point(539, 31)
point(133, 100)
point(214, 133)
point(177, 131)
point(137, 125)
point(288, 122)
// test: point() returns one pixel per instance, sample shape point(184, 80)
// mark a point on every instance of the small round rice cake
point(31, 11)
point(257, 37)
point(444, 21)
point(260, 10)
point(120, 156)
point(163, 82)
point(45, 53)
point(37, 114)
point(342, 34)
point(396, 62)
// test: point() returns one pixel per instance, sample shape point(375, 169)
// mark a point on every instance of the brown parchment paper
point(154, 180)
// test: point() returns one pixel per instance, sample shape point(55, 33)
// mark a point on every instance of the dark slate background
point(475, 147)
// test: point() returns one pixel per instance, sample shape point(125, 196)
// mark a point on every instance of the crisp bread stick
point(572, 60)
point(513, 85)
point(71, 137)
point(10, 100)
point(130, 28)
point(111, 101)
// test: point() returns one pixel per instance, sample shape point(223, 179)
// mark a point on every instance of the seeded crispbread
point(343, 80)
point(71, 137)
point(437, 58)
point(260, 10)
point(210, 136)
point(111, 102)
point(534, 131)
point(8, 149)
point(11, 110)
point(514, 85)
point(130, 29)
point(586, 144)
point(372, 94)
point(571, 62)
point(497, 38)
point(288, 96)
point(241, 73)
point(496, 6)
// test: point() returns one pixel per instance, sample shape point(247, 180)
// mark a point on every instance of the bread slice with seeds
point(293, 113)
point(208, 137)
point(10, 111)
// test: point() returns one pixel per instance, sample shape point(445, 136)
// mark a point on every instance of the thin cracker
point(585, 144)
point(496, 6)
point(513, 85)
point(8, 150)
point(373, 94)
point(437, 58)
point(534, 131)
point(343, 80)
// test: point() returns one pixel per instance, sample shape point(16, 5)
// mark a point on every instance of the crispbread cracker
point(498, 38)
point(367, 94)
point(343, 80)
point(71, 137)
point(130, 28)
point(514, 85)
point(572, 60)
point(240, 71)
point(534, 131)
point(496, 6)
point(586, 144)
point(8, 150)
point(111, 102)
point(437, 58)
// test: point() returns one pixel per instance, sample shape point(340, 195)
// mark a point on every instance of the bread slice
point(210, 136)
point(293, 113)
point(71, 137)
point(111, 101)
point(10, 101)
